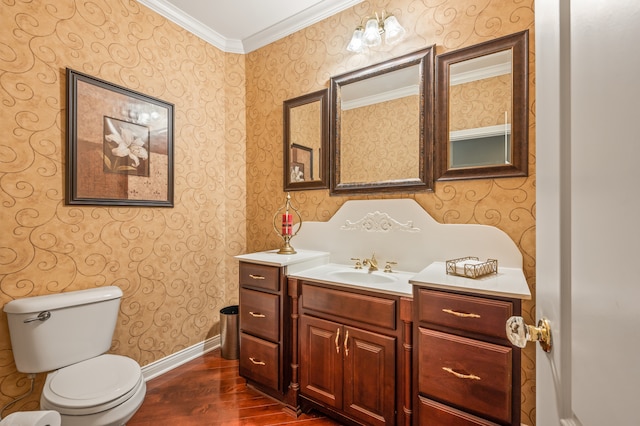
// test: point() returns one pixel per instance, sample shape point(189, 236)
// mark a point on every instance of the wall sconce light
point(375, 27)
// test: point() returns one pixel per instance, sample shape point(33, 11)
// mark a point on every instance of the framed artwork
point(297, 172)
point(119, 145)
point(302, 157)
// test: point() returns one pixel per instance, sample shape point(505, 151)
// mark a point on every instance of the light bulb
point(355, 45)
point(393, 31)
point(371, 36)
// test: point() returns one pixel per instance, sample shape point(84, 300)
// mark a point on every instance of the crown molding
point(273, 33)
point(192, 25)
point(296, 23)
point(389, 95)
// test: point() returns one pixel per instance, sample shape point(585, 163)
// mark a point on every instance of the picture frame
point(119, 145)
point(302, 156)
point(297, 172)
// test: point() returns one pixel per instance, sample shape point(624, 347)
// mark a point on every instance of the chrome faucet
point(372, 263)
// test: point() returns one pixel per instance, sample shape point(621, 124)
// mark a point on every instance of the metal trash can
point(229, 338)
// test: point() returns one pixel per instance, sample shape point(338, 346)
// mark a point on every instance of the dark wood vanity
point(467, 372)
point(350, 346)
point(434, 357)
point(265, 330)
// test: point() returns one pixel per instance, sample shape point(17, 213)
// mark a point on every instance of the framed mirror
point(381, 135)
point(306, 141)
point(482, 110)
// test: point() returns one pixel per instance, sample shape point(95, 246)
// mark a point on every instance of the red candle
point(287, 224)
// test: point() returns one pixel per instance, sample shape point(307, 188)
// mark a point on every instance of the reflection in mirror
point(482, 118)
point(306, 142)
point(380, 134)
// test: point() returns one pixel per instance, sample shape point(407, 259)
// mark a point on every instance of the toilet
point(67, 334)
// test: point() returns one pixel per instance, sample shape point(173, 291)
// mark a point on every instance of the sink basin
point(395, 282)
point(362, 277)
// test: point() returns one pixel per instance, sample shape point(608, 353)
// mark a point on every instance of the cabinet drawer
point(259, 360)
point(467, 313)
point(260, 314)
point(260, 276)
point(432, 413)
point(358, 307)
point(466, 373)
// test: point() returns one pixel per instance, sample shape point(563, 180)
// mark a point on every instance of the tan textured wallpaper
point(174, 265)
point(480, 103)
point(303, 62)
point(380, 141)
point(306, 132)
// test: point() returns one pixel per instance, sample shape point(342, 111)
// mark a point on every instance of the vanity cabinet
point(467, 371)
point(264, 342)
point(349, 345)
point(337, 362)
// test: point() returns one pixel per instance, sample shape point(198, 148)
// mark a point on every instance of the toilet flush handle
point(42, 316)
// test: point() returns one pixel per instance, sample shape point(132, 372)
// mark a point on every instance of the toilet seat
point(92, 386)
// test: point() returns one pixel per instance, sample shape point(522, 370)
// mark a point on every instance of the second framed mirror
point(306, 142)
point(482, 110)
point(381, 127)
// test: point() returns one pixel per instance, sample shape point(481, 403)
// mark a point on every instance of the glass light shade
point(371, 36)
point(356, 45)
point(393, 31)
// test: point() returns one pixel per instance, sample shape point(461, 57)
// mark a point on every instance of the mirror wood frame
point(321, 96)
point(424, 59)
point(518, 44)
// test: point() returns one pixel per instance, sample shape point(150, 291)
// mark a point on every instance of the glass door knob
point(520, 333)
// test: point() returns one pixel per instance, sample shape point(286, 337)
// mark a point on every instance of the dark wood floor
point(209, 391)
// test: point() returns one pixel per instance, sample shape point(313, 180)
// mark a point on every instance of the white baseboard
point(168, 363)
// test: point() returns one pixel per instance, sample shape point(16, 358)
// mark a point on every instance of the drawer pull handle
point(460, 314)
point(346, 342)
point(460, 375)
point(257, 315)
point(337, 339)
point(257, 277)
point(256, 362)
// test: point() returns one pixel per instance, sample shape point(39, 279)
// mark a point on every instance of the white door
point(588, 210)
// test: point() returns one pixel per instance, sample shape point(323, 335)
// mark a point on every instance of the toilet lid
point(106, 379)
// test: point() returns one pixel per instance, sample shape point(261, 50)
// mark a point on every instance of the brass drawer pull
point(337, 339)
point(257, 315)
point(460, 375)
point(256, 362)
point(257, 277)
point(460, 314)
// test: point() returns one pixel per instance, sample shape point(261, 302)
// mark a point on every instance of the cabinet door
point(321, 360)
point(369, 376)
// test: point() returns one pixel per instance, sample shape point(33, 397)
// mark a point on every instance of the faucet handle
point(387, 267)
point(358, 264)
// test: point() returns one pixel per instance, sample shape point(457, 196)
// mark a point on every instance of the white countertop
point(272, 258)
point(508, 282)
point(314, 266)
point(302, 259)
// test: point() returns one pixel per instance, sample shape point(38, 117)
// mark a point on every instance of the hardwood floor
point(209, 391)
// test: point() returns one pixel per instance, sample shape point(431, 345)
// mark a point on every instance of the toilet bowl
point(31, 418)
point(106, 390)
point(68, 335)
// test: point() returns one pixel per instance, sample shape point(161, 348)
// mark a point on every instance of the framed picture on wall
point(119, 145)
point(303, 157)
point(297, 172)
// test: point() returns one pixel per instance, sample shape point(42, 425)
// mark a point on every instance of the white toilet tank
point(53, 331)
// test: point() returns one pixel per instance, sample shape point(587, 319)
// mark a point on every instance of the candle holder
point(286, 232)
